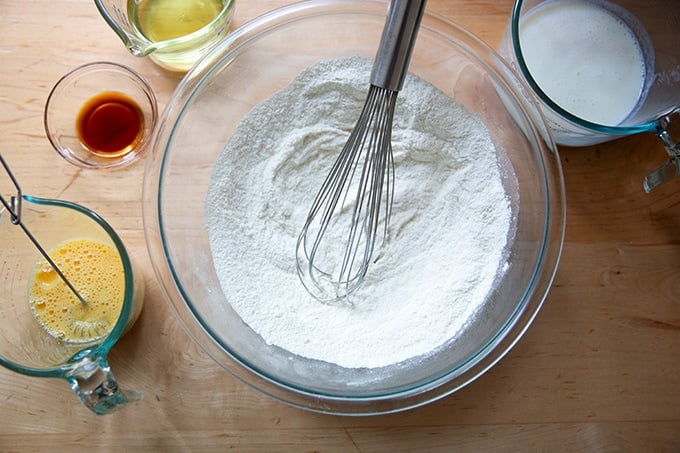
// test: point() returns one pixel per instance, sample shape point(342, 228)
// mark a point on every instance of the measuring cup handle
point(671, 169)
point(91, 379)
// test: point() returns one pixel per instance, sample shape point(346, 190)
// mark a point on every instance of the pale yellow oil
point(160, 20)
point(96, 271)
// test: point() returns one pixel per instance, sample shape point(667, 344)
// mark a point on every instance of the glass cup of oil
point(100, 116)
point(173, 33)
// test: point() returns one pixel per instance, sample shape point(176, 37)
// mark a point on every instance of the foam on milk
point(585, 58)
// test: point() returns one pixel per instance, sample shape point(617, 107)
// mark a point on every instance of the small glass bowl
point(81, 86)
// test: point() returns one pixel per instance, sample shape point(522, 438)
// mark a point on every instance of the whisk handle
point(396, 44)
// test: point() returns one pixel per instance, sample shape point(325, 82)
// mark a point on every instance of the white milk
point(586, 59)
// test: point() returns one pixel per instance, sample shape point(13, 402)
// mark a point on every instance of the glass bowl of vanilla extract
point(100, 116)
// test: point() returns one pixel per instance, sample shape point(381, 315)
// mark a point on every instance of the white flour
point(449, 227)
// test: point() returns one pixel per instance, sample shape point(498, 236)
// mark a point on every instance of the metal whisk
point(351, 211)
point(13, 207)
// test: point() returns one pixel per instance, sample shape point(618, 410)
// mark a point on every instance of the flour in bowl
point(449, 230)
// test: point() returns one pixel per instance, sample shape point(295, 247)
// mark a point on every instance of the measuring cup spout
point(92, 381)
point(116, 17)
point(175, 35)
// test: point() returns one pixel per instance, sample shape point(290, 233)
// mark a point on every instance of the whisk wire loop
point(361, 179)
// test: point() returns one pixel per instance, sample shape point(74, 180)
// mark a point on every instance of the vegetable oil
point(161, 20)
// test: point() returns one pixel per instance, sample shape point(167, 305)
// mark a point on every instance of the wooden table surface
point(598, 370)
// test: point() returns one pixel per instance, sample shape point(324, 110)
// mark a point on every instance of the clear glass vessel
point(261, 58)
point(79, 87)
point(653, 25)
point(143, 27)
point(25, 346)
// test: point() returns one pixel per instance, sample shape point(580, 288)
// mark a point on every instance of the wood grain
point(597, 371)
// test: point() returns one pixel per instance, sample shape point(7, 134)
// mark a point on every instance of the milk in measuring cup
point(585, 58)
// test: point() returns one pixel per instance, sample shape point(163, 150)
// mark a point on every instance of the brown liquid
point(110, 124)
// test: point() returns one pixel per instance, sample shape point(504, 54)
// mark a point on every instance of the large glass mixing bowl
point(258, 60)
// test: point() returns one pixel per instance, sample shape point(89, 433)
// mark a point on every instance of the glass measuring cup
point(556, 43)
point(173, 33)
point(25, 346)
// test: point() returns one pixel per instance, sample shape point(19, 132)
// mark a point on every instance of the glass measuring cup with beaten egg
point(68, 292)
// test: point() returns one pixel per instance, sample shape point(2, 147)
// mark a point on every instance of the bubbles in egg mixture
point(96, 271)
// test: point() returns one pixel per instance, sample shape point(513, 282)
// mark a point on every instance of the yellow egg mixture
point(96, 271)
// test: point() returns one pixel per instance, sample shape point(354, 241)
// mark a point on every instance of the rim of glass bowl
point(404, 398)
